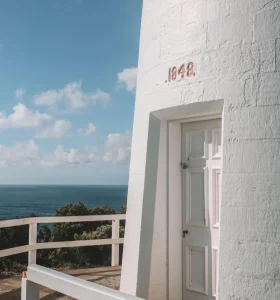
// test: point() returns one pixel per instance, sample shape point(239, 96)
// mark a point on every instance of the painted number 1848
point(185, 70)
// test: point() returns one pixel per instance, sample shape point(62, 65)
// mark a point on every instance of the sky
point(68, 72)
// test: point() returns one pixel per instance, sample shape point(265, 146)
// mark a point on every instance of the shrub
point(99, 255)
point(57, 258)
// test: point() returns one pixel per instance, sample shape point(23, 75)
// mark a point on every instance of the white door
point(201, 181)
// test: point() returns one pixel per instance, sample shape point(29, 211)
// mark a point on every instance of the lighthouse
point(203, 214)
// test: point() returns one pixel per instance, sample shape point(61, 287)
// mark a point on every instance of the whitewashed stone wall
point(235, 46)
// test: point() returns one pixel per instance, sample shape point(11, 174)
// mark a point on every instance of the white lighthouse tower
point(203, 217)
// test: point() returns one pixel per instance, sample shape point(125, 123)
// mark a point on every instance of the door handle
point(185, 232)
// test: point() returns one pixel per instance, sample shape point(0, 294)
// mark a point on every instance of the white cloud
point(70, 98)
point(28, 154)
point(127, 79)
point(117, 147)
point(44, 124)
point(116, 150)
point(86, 156)
point(90, 130)
point(22, 153)
point(57, 129)
point(22, 117)
point(19, 93)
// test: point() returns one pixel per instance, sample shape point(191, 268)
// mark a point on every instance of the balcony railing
point(33, 246)
point(58, 281)
point(67, 285)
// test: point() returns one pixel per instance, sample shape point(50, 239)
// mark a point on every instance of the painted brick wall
point(235, 46)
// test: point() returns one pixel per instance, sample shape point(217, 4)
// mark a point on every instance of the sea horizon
point(18, 201)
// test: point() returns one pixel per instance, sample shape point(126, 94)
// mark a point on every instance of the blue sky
point(67, 86)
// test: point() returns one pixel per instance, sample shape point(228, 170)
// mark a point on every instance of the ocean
point(44, 200)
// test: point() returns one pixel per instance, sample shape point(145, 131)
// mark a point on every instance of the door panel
point(215, 264)
point(216, 194)
point(197, 265)
point(201, 181)
point(216, 143)
point(195, 197)
point(196, 144)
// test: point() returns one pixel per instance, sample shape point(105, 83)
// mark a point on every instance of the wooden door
point(201, 181)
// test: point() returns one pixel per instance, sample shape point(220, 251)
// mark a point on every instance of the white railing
point(33, 246)
point(67, 285)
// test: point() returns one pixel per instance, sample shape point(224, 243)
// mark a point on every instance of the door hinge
point(184, 165)
point(185, 232)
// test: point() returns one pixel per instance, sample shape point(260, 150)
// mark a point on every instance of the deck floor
point(107, 276)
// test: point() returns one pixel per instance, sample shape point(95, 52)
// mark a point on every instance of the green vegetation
point(92, 256)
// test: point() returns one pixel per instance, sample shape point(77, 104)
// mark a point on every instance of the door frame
point(174, 201)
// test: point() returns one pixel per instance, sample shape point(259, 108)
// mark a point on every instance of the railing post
point(29, 290)
point(115, 247)
point(32, 241)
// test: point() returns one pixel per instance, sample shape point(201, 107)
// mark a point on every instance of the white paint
point(171, 241)
point(53, 245)
point(149, 193)
point(47, 220)
point(201, 149)
point(29, 290)
point(115, 247)
point(235, 46)
point(206, 110)
point(158, 273)
point(174, 242)
point(32, 241)
point(33, 246)
point(67, 285)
